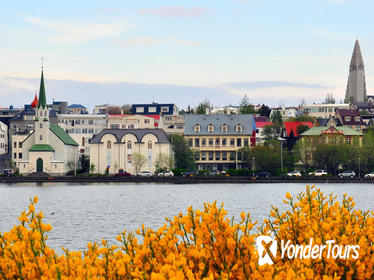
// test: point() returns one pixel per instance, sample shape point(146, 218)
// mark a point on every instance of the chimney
point(207, 111)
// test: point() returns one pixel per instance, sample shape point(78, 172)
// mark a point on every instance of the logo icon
point(267, 249)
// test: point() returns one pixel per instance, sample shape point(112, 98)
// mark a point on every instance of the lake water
point(88, 213)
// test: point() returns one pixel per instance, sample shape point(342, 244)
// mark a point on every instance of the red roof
point(292, 126)
point(34, 103)
point(262, 124)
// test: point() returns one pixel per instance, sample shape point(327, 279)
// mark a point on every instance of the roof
point(77, 106)
point(292, 126)
point(29, 112)
point(262, 124)
point(138, 133)
point(357, 56)
point(246, 120)
point(318, 130)
point(62, 135)
point(41, 148)
point(261, 119)
point(42, 99)
point(324, 121)
point(351, 113)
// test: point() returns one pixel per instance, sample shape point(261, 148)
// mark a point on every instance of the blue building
point(154, 109)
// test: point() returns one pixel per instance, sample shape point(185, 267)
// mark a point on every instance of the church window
point(45, 113)
point(129, 145)
point(41, 125)
point(108, 145)
point(149, 144)
point(41, 137)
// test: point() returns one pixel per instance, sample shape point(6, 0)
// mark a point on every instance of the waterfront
point(87, 213)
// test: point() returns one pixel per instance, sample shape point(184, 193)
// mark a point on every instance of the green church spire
point(42, 98)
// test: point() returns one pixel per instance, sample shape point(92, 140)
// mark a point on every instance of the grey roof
point(30, 112)
point(246, 120)
point(356, 59)
point(138, 133)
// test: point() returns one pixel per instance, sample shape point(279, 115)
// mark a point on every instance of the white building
point(82, 128)
point(172, 124)
point(287, 112)
point(48, 148)
point(133, 121)
point(116, 149)
point(3, 138)
point(325, 111)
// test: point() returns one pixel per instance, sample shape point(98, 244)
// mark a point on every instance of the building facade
point(324, 111)
point(118, 149)
point(154, 109)
point(351, 119)
point(172, 124)
point(82, 127)
point(3, 138)
point(133, 121)
point(48, 148)
point(77, 109)
point(217, 139)
point(356, 86)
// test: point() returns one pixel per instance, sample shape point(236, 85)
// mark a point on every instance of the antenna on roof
point(42, 59)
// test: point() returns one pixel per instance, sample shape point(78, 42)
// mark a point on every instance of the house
point(172, 124)
point(154, 109)
point(350, 118)
point(133, 121)
point(100, 109)
point(325, 111)
point(291, 133)
point(77, 109)
point(287, 112)
point(48, 148)
point(3, 138)
point(261, 122)
point(217, 139)
point(120, 148)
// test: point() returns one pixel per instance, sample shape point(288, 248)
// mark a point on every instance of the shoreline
point(180, 180)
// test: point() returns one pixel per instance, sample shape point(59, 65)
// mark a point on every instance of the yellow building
point(216, 139)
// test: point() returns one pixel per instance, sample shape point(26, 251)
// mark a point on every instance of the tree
point(329, 99)
point(113, 110)
point(264, 111)
point(163, 162)
point(202, 107)
point(276, 118)
point(271, 132)
point(126, 109)
point(138, 161)
point(84, 163)
point(183, 155)
point(245, 107)
point(92, 168)
point(301, 128)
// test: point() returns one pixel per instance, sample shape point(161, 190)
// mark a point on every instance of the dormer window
point(210, 128)
point(196, 128)
point(347, 118)
point(238, 128)
point(224, 128)
point(357, 119)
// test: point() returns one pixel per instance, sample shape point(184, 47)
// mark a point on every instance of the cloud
point(74, 32)
point(151, 41)
point(273, 84)
point(177, 11)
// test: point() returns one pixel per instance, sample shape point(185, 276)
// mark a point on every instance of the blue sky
point(117, 51)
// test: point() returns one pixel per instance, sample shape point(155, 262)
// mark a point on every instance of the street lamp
point(253, 166)
point(359, 167)
point(280, 140)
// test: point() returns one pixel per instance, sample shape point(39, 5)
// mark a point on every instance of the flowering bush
point(203, 244)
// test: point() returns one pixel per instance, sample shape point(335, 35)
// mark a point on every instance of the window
point(77, 121)
point(82, 121)
point(190, 142)
point(245, 142)
point(357, 119)
point(41, 137)
point(232, 141)
point(20, 144)
point(347, 118)
point(332, 140)
point(196, 128)
point(224, 128)
point(152, 109)
point(15, 144)
point(197, 156)
point(19, 155)
point(355, 141)
point(203, 155)
point(115, 126)
point(164, 109)
point(129, 145)
point(240, 156)
point(203, 142)
point(210, 128)
point(15, 155)
point(179, 126)
point(77, 130)
point(223, 141)
point(210, 155)
point(108, 145)
point(90, 122)
point(348, 140)
point(238, 128)
point(224, 155)
point(41, 125)
point(358, 128)
point(210, 142)
point(91, 130)
point(147, 121)
point(197, 142)
point(83, 141)
point(217, 142)
point(232, 155)
point(84, 130)
point(239, 142)
point(218, 156)
point(149, 145)
point(139, 109)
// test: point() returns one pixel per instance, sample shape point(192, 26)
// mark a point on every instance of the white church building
point(48, 148)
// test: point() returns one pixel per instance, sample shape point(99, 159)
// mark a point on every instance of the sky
point(182, 51)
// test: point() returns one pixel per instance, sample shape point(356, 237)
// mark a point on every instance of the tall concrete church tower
point(356, 87)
